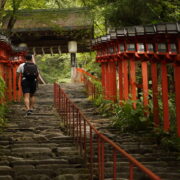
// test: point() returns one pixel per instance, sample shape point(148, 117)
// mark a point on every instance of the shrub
point(129, 119)
point(2, 106)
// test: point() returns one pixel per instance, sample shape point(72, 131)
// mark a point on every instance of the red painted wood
point(112, 81)
point(133, 81)
point(106, 81)
point(103, 74)
point(165, 96)
point(155, 93)
point(9, 84)
point(120, 82)
point(177, 89)
point(145, 82)
point(125, 80)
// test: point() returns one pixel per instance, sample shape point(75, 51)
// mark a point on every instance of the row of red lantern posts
point(10, 58)
point(151, 49)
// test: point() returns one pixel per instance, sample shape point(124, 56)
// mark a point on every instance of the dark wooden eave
point(47, 31)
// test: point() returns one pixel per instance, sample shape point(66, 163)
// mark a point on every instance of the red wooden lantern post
point(177, 87)
point(130, 47)
point(155, 44)
point(9, 85)
point(173, 47)
point(150, 54)
point(162, 54)
point(105, 55)
point(5, 48)
point(120, 56)
point(100, 58)
point(110, 82)
point(122, 66)
point(113, 49)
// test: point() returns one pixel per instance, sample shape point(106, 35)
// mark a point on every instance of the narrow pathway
point(34, 147)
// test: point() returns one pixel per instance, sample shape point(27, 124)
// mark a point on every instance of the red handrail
point(80, 70)
point(74, 120)
point(87, 79)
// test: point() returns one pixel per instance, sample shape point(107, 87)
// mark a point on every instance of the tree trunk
point(2, 4)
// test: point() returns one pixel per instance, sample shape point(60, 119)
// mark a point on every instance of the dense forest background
point(106, 13)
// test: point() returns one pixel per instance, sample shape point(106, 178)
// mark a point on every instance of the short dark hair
point(28, 57)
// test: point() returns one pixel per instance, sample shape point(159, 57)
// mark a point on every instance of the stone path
point(34, 147)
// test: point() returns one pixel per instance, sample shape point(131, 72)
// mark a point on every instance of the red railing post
point(91, 154)
point(80, 133)
point(101, 140)
point(131, 171)
point(77, 124)
point(55, 96)
point(73, 123)
point(84, 138)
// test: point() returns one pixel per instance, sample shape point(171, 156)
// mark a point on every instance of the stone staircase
point(142, 146)
point(34, 147)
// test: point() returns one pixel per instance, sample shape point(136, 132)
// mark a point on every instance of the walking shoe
point(28, 112)
point(31, 111)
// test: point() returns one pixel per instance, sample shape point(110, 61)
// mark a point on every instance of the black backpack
point(30, 71)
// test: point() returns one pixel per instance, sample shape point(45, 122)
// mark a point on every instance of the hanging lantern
point(72, 46)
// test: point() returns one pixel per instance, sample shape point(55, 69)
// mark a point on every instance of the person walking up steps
point(30, 74)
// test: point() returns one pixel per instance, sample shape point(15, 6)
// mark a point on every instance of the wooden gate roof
point(46, 30)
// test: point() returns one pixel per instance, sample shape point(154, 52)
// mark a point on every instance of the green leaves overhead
point(108, 12)
point(135, 12)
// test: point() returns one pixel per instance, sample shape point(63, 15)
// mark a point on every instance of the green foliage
point(130, 12)
point(167, 139)
point(129, 119)
point(58, 68)
point(3, 107)
point(3, 111)
point(2, 87)
point(105, 107)
point(54, 68)
point(109, 13)
point(87, 61)
point(24, 4)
